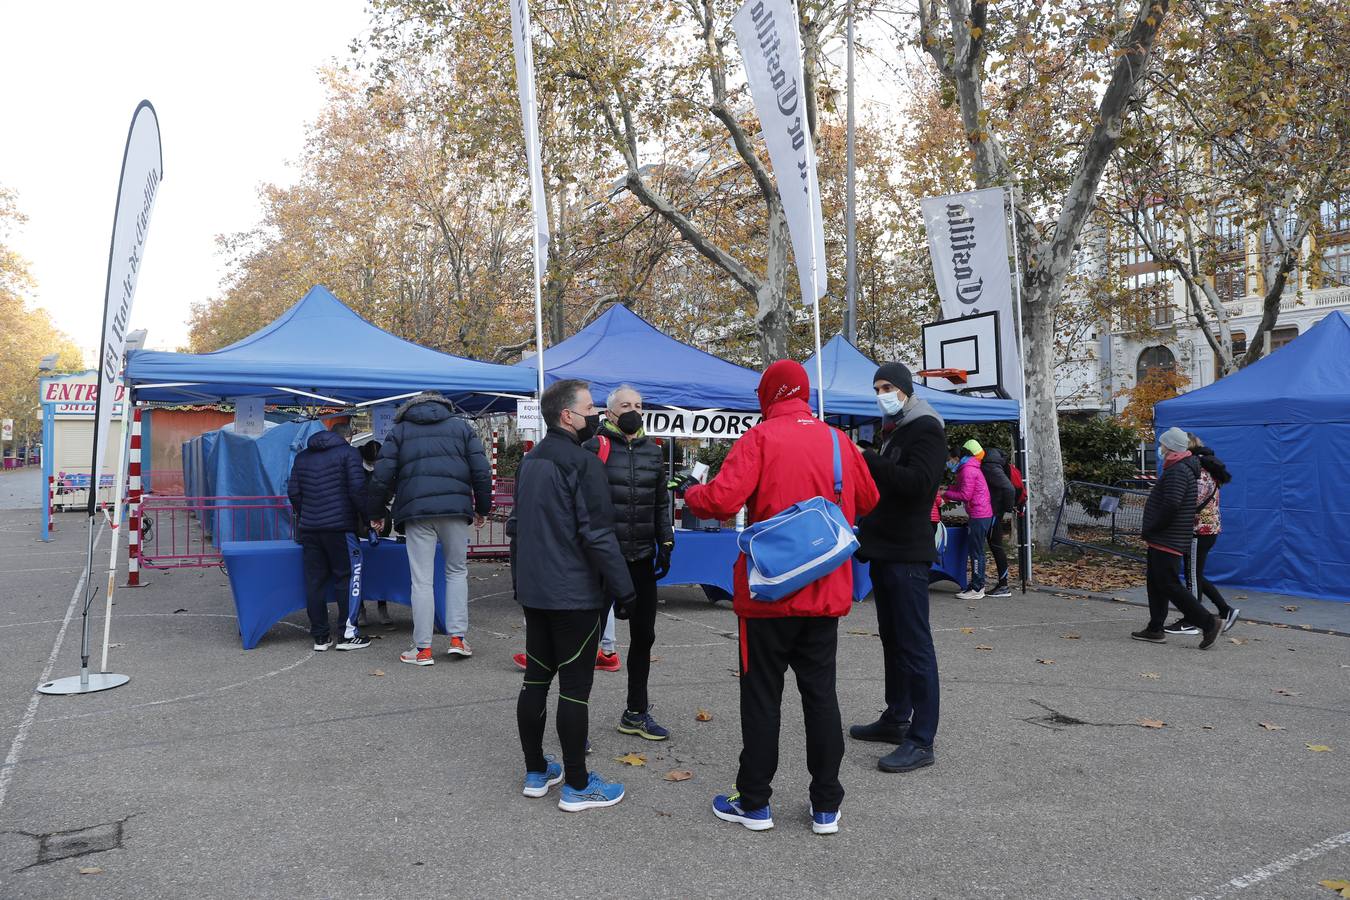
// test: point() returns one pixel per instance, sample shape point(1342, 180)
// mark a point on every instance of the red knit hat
point(783, 380)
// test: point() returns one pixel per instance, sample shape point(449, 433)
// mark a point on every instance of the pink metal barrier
point(186, 532)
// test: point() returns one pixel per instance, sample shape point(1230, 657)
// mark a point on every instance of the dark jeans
point(641, 632)
point(327, 558)
point(996, 545)
point(561, 642)
point(1165, 585)
point(1203, 544)
point(769, 647)
point(912, 692)
point(977, 533)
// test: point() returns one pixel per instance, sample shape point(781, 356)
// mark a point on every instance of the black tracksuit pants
point(769, 647)
point(641, 632)
point(327, 558)
point(562, 643)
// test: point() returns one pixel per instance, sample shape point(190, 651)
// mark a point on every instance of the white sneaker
point(970, 594)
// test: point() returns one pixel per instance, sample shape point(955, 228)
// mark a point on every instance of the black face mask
point(630, 422)
point(592, 426)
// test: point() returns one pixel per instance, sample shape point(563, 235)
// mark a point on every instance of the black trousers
point(1203, 544)
point(996, 545)
point(769, 647)
point(327, 562)
point(641, 633)
point(913, 694)
point(562, 643)
point(1166, 585)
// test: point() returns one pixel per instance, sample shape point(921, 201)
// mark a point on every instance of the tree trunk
point(1046, 477)
point(774, 313)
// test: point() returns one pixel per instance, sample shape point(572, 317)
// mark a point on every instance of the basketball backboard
point(970, 343)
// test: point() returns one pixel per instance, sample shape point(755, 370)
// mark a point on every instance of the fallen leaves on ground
point(1149, 675)
point(967, 630)
point(703, 716)
point(379, 673)
point(1152, 723)
point(1207, 727)
point(679, 775)
point(632, 759)
point(1290, 609)
point(1286, 692)
point(1071, 637)
point(177, 611)
point(1318, 748)
point(983, 647)
point(1238, 641)
point(91, 870)
point(1269, 727)
point(1096, 573)
point(863, 632)
point(656, 659)
point(1339, 885)
point(1046, 662)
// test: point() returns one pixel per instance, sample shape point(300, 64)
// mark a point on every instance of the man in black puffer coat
point(434, 465)
point(637, 483)
point(327, 493)
point(1169, 521)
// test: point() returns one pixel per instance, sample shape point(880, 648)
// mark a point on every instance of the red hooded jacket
point(785, 459)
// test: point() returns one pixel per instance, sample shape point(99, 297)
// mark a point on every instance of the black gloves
point(681, 481)
point(623, 607)
point(662, 567)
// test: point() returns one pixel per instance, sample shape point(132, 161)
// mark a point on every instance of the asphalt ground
point(279, 772)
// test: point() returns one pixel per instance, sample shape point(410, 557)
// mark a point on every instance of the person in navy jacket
point(327, 493)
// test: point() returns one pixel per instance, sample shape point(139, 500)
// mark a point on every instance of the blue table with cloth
point(268, 582)
point(707, 558)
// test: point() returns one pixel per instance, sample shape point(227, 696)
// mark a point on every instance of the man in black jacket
point(1169, 523)
point(434, 465)
point(565, 564)
point(1003, 497)
point(326, 489)
point(637, 482)
point(897, 537)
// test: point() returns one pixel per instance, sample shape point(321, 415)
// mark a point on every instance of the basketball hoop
point(955, 376)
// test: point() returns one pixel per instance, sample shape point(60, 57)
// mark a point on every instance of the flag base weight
point(84, 684)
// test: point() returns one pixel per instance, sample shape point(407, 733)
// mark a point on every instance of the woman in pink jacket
point(972, 490)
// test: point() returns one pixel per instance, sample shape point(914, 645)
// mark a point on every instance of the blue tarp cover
point(848, 389)
point(1282, 426)
point(319, 346)
point(620, 347)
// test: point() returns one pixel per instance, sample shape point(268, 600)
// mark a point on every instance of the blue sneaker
point(538, 783)
point(643, 725)
point(597, 793)
point(824, 822)
point(727, 807)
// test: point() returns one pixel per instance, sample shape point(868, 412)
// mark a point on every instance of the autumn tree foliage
point(28, 335)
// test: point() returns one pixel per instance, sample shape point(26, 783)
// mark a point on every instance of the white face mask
point(891, 403)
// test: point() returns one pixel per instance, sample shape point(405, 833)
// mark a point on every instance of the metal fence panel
point(1102, 517)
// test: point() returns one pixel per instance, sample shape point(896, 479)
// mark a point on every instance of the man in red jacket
point(785, 459)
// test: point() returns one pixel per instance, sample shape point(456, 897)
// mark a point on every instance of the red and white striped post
point(51, 499)
point(134, 501)
point(494, 462)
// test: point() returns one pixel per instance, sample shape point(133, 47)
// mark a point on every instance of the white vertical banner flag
point(142, 171)
point(766, 31)
point(529, 111)
point(968, 243)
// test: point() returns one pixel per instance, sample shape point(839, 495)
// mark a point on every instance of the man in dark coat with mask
point(566, 566)
point(637, 482)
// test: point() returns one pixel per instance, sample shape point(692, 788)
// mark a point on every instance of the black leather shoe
point(906, 758)
point(881, 731)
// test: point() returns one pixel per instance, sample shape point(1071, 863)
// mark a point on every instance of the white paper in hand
point(699, 471)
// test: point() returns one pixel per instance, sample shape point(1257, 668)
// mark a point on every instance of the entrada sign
point(76, 395)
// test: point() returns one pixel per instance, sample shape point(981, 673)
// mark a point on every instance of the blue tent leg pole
point(47, 430)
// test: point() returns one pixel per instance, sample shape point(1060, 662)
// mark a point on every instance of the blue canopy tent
point(620, 347)
point(1282, 426)
point(318, 351)
point(848, 389)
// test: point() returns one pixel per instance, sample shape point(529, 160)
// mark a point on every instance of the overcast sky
point(233, 86)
